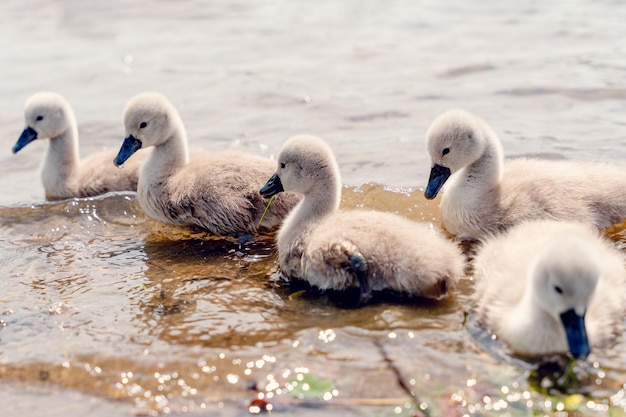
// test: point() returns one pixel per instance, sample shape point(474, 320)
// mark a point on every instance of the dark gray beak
point(28, 135)
point(272, 187)
point(438, 176)
point(129, 147)
point(576, 334)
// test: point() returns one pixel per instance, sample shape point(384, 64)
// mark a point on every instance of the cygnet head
point(454, 140)
point(305, 164)
point(564, 278)
point(150, 119)
point(47, 115)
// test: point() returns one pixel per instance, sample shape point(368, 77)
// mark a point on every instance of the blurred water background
point(105, 312)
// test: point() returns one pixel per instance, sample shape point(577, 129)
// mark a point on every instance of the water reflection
point(211, 293)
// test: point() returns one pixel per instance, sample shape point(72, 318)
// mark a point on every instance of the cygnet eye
point(558, 289)
point(282, 165)
point(39, 118)
point(142, 125)
point(445, 151)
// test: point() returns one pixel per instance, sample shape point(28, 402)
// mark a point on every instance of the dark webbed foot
point(245, 238)
point(359, 267)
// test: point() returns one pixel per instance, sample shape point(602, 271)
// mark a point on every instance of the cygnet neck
point(169, 156)
point(322, 200)
point(523, 321)
point(62, 158)
point(487, 169)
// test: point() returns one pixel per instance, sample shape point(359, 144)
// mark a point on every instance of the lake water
point(106, 312)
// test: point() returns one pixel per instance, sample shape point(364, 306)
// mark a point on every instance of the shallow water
point(103, 311)
point(101, 300)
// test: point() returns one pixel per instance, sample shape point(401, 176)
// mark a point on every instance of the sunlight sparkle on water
point(327, 335)
point(592, 405)
point(272, 384)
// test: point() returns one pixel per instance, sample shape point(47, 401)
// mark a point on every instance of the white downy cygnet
point(484, 194)
point(217, 192)
point(548, 287)
point(63, 173)
point(371, 250)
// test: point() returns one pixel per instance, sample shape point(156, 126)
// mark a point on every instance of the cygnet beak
point(438, 176)
point(574, 325)
point(272, 187)
point(28, 135)
point(130, 146)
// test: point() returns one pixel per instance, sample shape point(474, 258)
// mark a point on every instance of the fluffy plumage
point(369, 249)
point(217, 192)
point(484, 194)
point(63, 174)
point(540, 271)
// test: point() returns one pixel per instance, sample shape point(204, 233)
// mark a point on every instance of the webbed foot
point(359, 267)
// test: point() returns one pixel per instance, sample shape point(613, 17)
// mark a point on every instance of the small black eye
point(445, 151)
point(558, 289)
point(282, 164)
point(39, 118)
point(142, 125)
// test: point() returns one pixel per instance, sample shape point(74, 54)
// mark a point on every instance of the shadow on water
point(99, 299)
